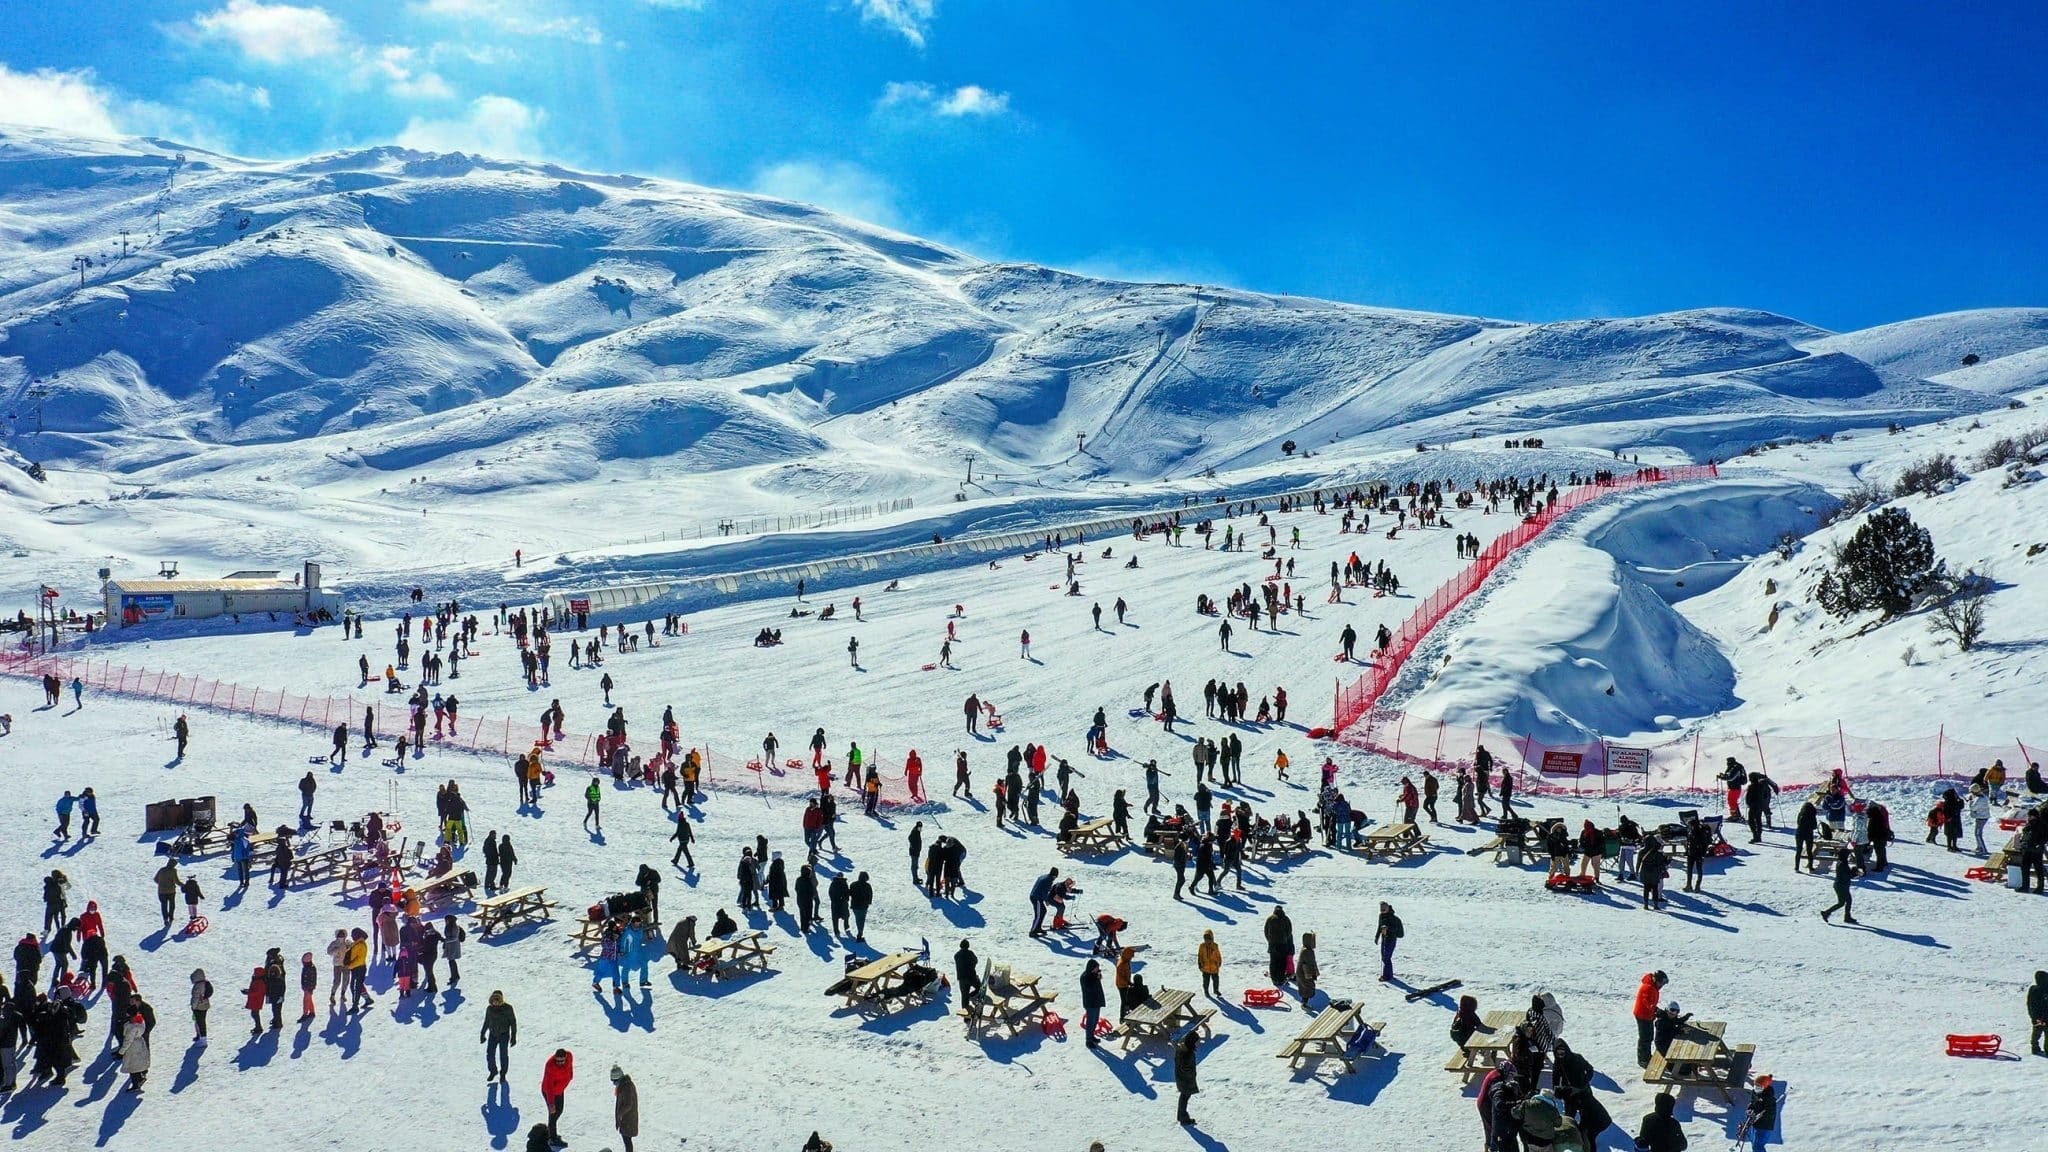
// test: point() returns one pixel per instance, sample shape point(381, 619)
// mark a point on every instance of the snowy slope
point(759, 1063)
point(281, 356)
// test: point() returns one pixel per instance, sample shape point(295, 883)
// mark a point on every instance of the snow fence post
point(1938, 737)
point(1843, 740)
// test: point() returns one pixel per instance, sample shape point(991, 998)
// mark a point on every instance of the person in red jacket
point(554, 1085)
point(90, 923)
point(1648, 996)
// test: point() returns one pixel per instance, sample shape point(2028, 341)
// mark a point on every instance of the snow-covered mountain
point(397, 313)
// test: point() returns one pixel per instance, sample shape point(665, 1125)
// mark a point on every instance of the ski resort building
point(238, 593)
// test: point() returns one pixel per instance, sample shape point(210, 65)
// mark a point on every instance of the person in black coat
point(1568, 1069)
point(491, 861)
point(1660, 1131)
point(506, 859)
point(1093, 998)
point(806, 898)
point(1279, 946)
point(1586, 1111)
point(1844, 900)
point(967, 973)
point(1507, 1099)
point(1653, 868)
point(2037, 1011)
point(1184, 1072)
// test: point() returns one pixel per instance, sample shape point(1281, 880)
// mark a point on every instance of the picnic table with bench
point(449, 886)
point(1699, 1058)
point(509, 908)
point(1093, 836)
point(1329, 1037)
point(363, 872)
point(733, 955)
point(1394, 841)
point(1167, 1014)
point(1486, 1047)
point(1008, 999)
point(878, 982)
point(319, 867)
point(1278, 848)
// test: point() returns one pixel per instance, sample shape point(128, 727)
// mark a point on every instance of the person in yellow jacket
point(1280, 763)
point(357, 960)
point(693, 769)
point(1209, 958)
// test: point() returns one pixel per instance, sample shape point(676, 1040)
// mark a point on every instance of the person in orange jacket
point(1209, 958)
point(554, 1086)
point(1648, 995)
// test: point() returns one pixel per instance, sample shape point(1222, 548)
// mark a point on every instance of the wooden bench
point(1394, 842)
point(1008, 1000)
point(1485, 1048)
point(1166, 1015)
point(1093, 837)
point(509, 908)
point(736, 954)
point(362, 873)
point(1329, 1037)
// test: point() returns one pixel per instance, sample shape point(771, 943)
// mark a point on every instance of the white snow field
point(1851, 1021)
point(408, 366)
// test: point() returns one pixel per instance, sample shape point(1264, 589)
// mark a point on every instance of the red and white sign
point(579, 604)
point(1562, 763)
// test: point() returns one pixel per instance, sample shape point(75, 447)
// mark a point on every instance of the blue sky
point(1846, 165)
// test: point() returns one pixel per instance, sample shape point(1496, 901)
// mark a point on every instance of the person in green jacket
point(500, 1032)
point(591, 795)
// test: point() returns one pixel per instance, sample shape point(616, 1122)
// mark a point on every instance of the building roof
point(159, 587)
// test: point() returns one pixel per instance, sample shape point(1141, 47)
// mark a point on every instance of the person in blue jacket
point(64, 805)
point(637, 951)
point(240, 852)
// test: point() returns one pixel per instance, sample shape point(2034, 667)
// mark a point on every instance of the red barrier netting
point(1354, 701)
point(499, 737)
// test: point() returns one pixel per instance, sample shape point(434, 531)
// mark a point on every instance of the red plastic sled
point(1261, 997)
point(196, 926)
point(1981, 873)
point(1054, 1025)
point(1981, 1045)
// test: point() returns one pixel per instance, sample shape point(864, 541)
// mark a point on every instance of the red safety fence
point(1685, 763)
point(1354, 701)
point(392, 715)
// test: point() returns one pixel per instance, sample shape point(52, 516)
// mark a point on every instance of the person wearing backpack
point(1386, 934)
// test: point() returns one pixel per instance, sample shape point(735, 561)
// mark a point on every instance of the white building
point(238, 593)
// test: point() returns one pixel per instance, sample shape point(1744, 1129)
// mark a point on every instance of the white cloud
point(847, 189)
point(67, 101)
point(966, 100)
point(233, 92)
point(516, 18)
point(494, 126)
point(910, 19)
point(395, 63)
point(974, 100)
point(274, 33)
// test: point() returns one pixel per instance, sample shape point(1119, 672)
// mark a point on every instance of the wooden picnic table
point(448, 886)
point(878, 982)
point(1093, 836)
point(1165, 1015)
point(1486, 1047)
point(509, 908)
point(1700, 1058)
point(319, 867)
point(1008, 999)
point(362, 872)
point(733, 955)
point(1279, 848)
point(1329, 1037)
point(1394, 841)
